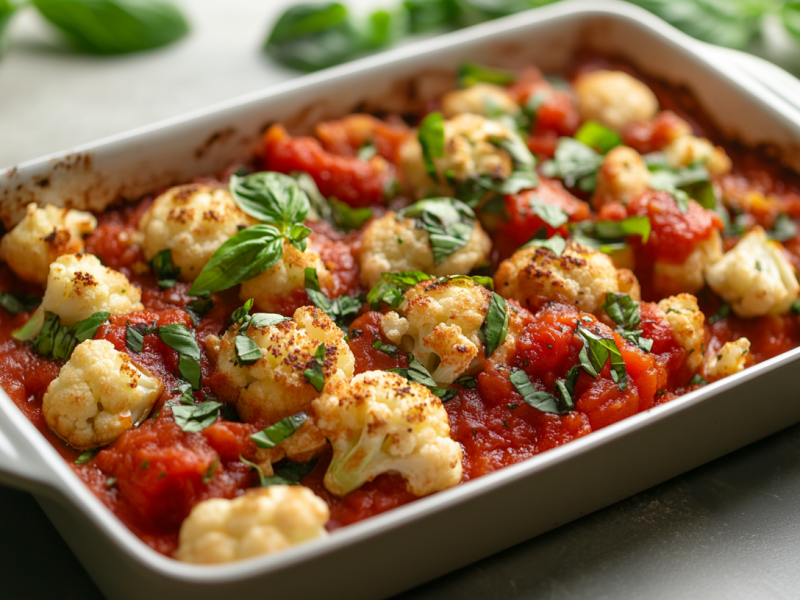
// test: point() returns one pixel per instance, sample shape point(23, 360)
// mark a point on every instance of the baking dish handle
point(21, 464)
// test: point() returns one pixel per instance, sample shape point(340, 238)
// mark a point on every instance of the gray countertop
point(729, 529)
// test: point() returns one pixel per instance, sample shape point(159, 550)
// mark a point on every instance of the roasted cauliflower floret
point(688, 276)
point(580, 276)
point(442, 320)
point(480, 99)
point(275, 386)
point(379, 423)
point(261, 521)
point(192, 221)
point(468, 152)
point(42, 236)
point(755, 277)
point(79, 286)
point(98, 395)
point(686, 321)
point(729, 359)
point(622, 176)
point(614, 99)
point(271, 288)
point(392, 244)
point(690, 150)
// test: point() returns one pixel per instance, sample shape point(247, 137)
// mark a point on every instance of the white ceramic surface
point(439, 533)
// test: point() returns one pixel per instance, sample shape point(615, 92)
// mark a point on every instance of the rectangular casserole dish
point(402, 548)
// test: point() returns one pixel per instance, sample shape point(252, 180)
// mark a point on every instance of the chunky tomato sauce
point(153, 475)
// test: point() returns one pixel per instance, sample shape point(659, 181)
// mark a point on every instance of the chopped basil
point(340, 309)
point(347, 218)
point(247, 351)
point(625, 313)
point(390, 288)
point(783, 229)
point(272, 198)
point(722, 313)
point(549, 213)
point(610, 236)
point(247, 254)
point(519, 152)
point(242, 313)
point(275, 434)
point(134, 335)
point(698, 380)
point(448, 222)
point(86, 456)
point(367, 151)
point(795, 307)
point(467, 382)
point(598, 136)
point(417, 373)
point(55, 340)
point(261, 320)
point(186, 395)
point(596, 352)
point(567, 387)
point(211, 471)
point(199, 308)
point(431, 139)
point(555, 244)
point(389, 349)
point(196, 417)
point(542, 401)
point(178, 337)
point(575, 163)
point(166, 272)
point(494, 329)
point(470, 73)
point(315, 375)
point(682, 183)
point(19, 303)
point(478, 191)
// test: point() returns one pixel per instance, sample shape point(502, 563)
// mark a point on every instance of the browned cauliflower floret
point(380, 423)
point(260, 521)
point(690, 150)
point(42, 236)
point(729, 359)
point(688, 276)
point(98, 395)
point(479, 99)
point(755, 277)
point(614, 99)
point(686, 321)
point(468, 152)
point(580, 276)
point(275, 386)
point(392, 244)
point(79, 286)
point(193, 221)
point(622, 176)
point(441, 322)
point(271, 288)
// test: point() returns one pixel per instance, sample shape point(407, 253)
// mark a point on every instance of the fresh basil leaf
point(347, 218)
point(199, 308)
point(134, 335)
point(391, 287)
point(467, 382)
point(598, 137)
point(598, 351)
point(417, 373)
point(189, 368)
point(211, 471)
point(448, 222)
point(389, 349)
point(262, 320)
point(196, 417)
point(431, 139)
point(272, 198)
point(609, 236)
point(783, 229)
point(84, 330)
point(258, 470)
point(289, 473)
point(339, 309)
point(247, 351)
point(542, 401)
point(494, 329)
point(19, 303)
point(315, 375)
point(385, 27)
point(242, 313)
point(275, 434)
point(575, 163)
point(227, 411)
point(57, 341)
point(298, 236)
point(166, 272)
point(247, 254)
point(471, 73)
point(425, 15)
point(115, 26)
point(567, 387)
point(555, 244)
point(478, 11)
point(31, 328)
point(625, 313)
point(314, 36)
point(178, 337)
point(550, 214)
point(7, 10)
point(86, 456)
point(722, 313)
point(518, 150)
point(698, 380)
point(682, 183)
point(186, 394)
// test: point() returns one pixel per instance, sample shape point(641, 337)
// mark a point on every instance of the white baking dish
point(414, 543)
